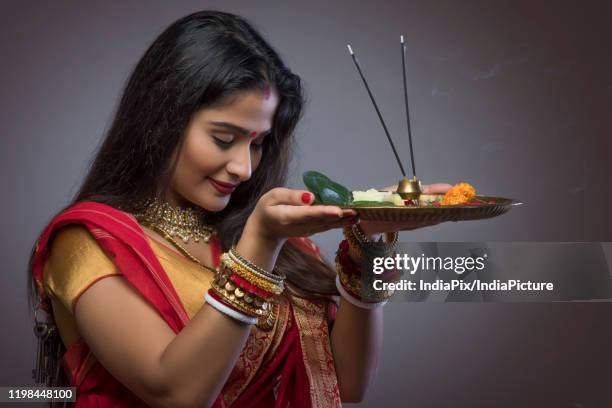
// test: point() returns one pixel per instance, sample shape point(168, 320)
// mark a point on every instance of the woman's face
point(223, 147)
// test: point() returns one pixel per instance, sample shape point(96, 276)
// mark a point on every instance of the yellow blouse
point(76, 262)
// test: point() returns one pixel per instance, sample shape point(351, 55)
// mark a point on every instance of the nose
point(239, 164)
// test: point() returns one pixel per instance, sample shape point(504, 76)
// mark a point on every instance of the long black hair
point(200, 61)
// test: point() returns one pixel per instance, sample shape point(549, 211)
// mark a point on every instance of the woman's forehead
point(251, 110)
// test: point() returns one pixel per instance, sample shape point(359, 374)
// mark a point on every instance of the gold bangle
point(354, 285)
point(223, 279)
point(363, 239)
point(267, 323)
point(259, 308)
point(355, 248)
point(359, 246)
point(220, 292)
point(227, 289)
point(268, 278)
point(275, 275)
point(263, 284)
point(265, 317)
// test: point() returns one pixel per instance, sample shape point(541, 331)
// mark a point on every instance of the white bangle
point(229, 311)
point(356, 302)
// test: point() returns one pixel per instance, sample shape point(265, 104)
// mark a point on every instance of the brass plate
point(491, 207)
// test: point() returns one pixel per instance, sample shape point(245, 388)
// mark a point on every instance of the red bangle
point(244, 284)
point(349, 266)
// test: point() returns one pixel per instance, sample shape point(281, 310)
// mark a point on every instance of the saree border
point(311, 319)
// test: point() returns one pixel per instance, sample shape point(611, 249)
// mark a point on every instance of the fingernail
point(306, 198)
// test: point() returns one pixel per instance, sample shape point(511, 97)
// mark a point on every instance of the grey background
point(513, 97)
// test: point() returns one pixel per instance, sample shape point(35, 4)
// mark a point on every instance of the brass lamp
point(409, 189)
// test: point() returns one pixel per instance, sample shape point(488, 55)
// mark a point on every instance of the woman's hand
point(373, 228)
point(282, 213)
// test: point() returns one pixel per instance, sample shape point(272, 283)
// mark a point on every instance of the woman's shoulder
point(68, 236)
point(75, 261)
point(69, 239)
point(72, 241)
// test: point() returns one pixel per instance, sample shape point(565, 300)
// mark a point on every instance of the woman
point(182, 219)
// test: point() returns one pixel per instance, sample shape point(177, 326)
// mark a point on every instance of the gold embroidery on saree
point(311, 319)
point(260, 348)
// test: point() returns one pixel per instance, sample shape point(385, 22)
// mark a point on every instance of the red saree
point(300, 373)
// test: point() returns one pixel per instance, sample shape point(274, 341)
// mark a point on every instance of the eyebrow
point(238, 129)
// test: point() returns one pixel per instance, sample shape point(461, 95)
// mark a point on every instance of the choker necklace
point(186, 223)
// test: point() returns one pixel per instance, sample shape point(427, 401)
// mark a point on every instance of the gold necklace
point(181, 248)
point(186, 223)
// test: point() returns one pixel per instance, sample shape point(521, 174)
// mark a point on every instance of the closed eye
point(227, 144)
point(222, 142)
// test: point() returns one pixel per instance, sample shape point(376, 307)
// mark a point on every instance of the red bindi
point(253, 134)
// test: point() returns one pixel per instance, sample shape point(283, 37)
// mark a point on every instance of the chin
point(208, 200)
point(213, 204)
point(216, 208)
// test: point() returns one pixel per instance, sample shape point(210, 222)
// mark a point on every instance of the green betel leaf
point(325, 190)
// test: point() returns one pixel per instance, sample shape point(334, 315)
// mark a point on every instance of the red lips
point(222, 187)
point(224, 184)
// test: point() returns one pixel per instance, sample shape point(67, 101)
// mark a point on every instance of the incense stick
point(377, 110)
point(403, 46)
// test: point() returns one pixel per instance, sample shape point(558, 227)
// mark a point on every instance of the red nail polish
point(306, 197)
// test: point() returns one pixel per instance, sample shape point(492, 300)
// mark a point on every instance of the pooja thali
point(390, 206)
point(480, 207)
point(409, 203)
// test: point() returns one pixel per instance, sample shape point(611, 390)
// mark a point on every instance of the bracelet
point(354, 246)
point(247, 289)
point(352, 280)
point(226, 276)
point(247, 286)
point(349, 266)
point(359, 245)
point(354, 301)
point(248, 274)
point(361, 237)
point(223, 308)
point(354, 285)
point(235, 297)
point(275, 276)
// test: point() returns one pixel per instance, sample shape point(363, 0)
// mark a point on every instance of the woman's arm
point(131, 340)
point(356, 337)
point(356, 341)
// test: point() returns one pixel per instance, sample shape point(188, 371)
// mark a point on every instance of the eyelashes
point(226, 145)
point(222, 143)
